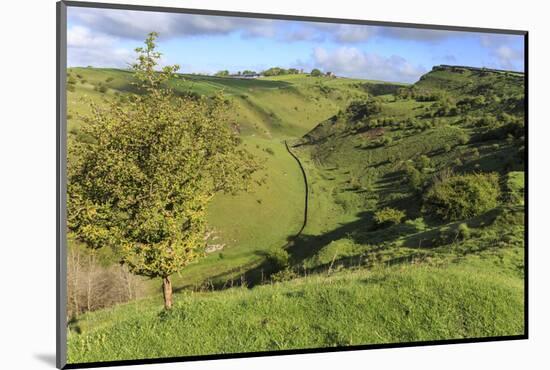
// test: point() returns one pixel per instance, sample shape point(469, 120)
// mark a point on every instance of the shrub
point(315, 72)
point(278, 257)
point(387, 141)
point(463, 139)
point(515, 187)
point(109, 79)
point(447, 148)
point(462, 196)
point(361, 109)
point(284, 275)
point(414, 177)
point(464, 231)
point(424, 162)
point(355, 183)
point(388, 216)
point(269, 151)
point(102, 89)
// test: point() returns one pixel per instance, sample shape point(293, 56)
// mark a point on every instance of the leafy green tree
point(223, 73)
point(456, 197)
point(315, 72)
point(274, 71)
point(141, 182)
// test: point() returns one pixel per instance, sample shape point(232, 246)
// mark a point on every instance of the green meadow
point(415, 220)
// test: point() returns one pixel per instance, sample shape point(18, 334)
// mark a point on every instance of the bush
point(464, 231)
point(361, 109)
point(315, 72)
point(355, 183)
point(278, 257)
point(102, 89)
point(269, 151)
point(284, 275)
point(515, 187)
point(415, 178)
point(388, 216)
point(458, 197)
point(463, 139)
point(423, 162)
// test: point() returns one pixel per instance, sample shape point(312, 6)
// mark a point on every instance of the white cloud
point(417, 34)
point(85, 47)
point(82, 37)
point(100, 57)
point(504, 52)
point(352, 62)
point(507, 56)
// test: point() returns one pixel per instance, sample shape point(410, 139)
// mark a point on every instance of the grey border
point(287, 17)
point(61, 189)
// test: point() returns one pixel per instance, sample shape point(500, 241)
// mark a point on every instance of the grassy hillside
point(363, 159)
point(369, 150)
point(279, 106)
point(268, 110)
point(473, 298)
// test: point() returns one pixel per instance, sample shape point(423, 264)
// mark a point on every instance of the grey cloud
point(416, 34)
point(135, 24)
point(352, 62)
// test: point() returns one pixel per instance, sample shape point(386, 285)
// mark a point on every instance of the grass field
point(441, 300)
point(269, 110)
point(348, 279)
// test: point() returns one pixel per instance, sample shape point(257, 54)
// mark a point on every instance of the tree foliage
point(456, 197)
point(141, 183)
point(388, 216)
point(315, 72)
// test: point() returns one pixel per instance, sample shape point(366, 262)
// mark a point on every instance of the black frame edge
point(61, 143)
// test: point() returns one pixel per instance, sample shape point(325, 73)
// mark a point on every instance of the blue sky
point(206, 44)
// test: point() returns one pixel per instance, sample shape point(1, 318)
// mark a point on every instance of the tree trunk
point(167, 292)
